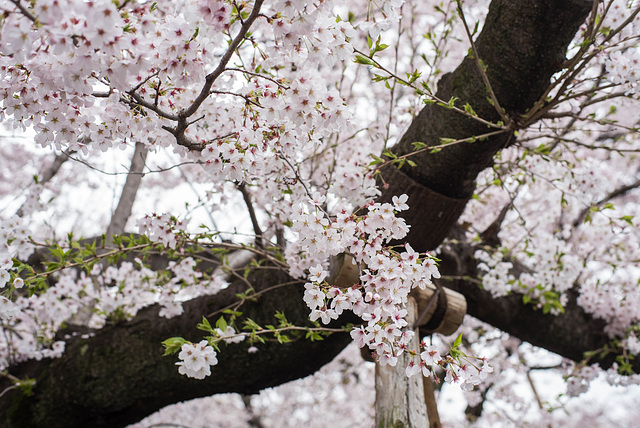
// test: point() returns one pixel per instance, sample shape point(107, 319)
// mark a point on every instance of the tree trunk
point(118, 376)
point(400, 399)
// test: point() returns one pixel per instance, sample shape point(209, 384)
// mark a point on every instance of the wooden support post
point(403, 402)
point(432, 404)
point(400, 400)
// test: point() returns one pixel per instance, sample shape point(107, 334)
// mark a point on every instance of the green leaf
point(379, 78)
point(252, 325)
point(457, 342)
point(470, 110)
point(388, 153)
point(221, 324)
point(173, 345)
point(314, 335)
point(418, 145)
point(413, 77)
point(376, 159)
point(233, 313)
point(361, 59)
point(282, 318)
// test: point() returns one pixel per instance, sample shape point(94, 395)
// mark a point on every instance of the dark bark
point(570, 334)
point(522, 44)
point(118, 376)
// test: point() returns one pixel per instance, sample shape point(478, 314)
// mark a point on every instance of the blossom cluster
point(458, 370)
point(114, 292)
point(546, 286)
point(624, 69)
point(14, 242)
point(196, 360)
point(386, 277)
point(579, 379)
point(162, 228)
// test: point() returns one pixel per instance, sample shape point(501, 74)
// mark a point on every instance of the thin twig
point(153, 107)
point(244, 97)
point(149, 171)
point(483, 73)
point(574, 67)
point(24, 11)
point(614, 194)
point(438, 101)
point(252, 214)
point(258, 75)
point(49, 173)
point(442, 146)
point(211, 77)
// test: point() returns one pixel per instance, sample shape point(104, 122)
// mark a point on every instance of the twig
point(153, 107)
point(49, 173)
point(535, 391)
point(244, 97)
point(432, 404)
point(258, 75)
point(483, 73)
point(252, 214)
point(574, 67)
point(438, 101)
point(447, 144)
point(24, 11)
point(614, 194)
point(183, 115)
point(150, 171)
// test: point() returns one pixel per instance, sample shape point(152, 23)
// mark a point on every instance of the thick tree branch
point(119, 376)
point(129, 192)
point(570, 334)
point(523, 43)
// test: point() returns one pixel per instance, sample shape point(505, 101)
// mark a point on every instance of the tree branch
point(49, 173)
point(129, 192)
point(118, 375)
point(259, 242)
point(570, 334)
point(620, 191)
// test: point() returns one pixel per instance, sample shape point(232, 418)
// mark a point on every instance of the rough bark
point(570, 334)
point(118, 376)
point(522, 44)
